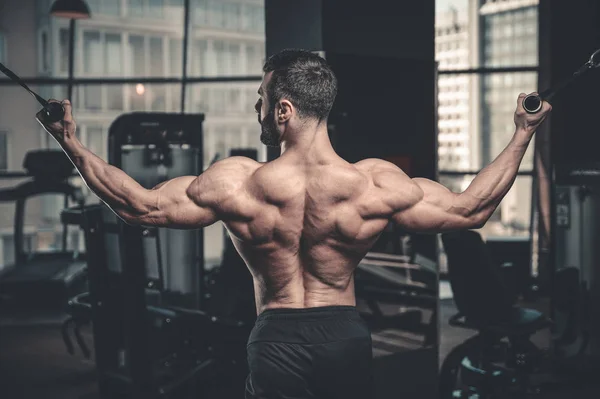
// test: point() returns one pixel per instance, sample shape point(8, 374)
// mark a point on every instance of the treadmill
point(42, 279)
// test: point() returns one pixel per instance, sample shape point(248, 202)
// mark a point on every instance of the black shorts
point(321, 352)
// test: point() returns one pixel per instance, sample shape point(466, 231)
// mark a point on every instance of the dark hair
point(303, 78)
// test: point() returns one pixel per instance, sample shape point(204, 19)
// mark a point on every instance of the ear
point(284, 111)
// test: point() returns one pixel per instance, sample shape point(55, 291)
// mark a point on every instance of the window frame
point(447, 169)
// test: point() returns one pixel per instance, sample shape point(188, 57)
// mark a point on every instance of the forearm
point(494, 181)
point(113, 186)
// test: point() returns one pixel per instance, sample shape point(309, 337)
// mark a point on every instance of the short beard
point(269, 135)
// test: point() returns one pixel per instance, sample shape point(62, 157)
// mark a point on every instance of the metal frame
point(115, 142)
point(119, 337)
point(135, 319)
point(486, 71)
point(101, 297)
point(120, 315)
point(24, 191)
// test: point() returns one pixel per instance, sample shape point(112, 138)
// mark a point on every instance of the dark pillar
point(569, 163)
point(569, 33)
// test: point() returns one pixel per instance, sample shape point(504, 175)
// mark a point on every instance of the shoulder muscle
point(222, 181)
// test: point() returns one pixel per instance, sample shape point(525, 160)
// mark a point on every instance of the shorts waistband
point(309, 325)
point(308, 313)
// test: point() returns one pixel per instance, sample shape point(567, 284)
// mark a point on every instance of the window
point(102, 56)
point(221, 57)
point(156, 57)
point(105, 7)
point(148, 8)
point(113, 55)
point(200, 12)
point(506, 38)
point(136, 8)
point(156, 8)
point(138, 97)
point(257, 21)
point(216, 14)
point(153, 97)
point(111, 7)
point(234, 56)
point(92, 53)
point(175, 57)
point(158, 101)
point(254, 59)
point(148, 56)
point(138, 55)
point(232, 16)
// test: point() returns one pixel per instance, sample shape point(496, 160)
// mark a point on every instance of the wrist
point(74, 149)
point(522, 136)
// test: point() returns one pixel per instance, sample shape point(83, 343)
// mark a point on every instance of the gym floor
point(35, 364)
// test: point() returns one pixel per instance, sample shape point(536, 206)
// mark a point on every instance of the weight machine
point(152, 148)
point(153, 336)
point(37, 278)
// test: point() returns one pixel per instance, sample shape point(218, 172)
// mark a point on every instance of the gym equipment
point(533, 102)
point(511, 256)
point(152, 148)
point(576, 285)
point(79, 310)
point(152, 333)
point(141, 348)
point(500, 358)
point(43, 278)
point(54, 111)
point(383, 279)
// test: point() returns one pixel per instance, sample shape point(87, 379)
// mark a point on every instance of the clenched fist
point(61, 130)
point(530, 122)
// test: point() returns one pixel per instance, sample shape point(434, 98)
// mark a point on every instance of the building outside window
point(129, 39)
point(476, 103)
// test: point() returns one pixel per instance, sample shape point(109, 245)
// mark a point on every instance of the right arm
point(186, 202)
point(432, 208)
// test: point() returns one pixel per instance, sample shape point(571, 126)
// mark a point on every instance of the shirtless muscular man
point(302, 223)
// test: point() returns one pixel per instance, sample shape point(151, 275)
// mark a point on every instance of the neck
point(311, 143)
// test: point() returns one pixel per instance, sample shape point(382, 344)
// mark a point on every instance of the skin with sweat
point(302, 222)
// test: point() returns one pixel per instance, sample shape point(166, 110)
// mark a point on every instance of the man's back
point(303, 225)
